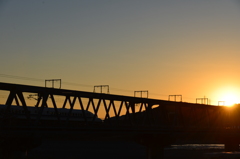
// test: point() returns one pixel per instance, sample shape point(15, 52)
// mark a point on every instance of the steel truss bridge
point(151, 122)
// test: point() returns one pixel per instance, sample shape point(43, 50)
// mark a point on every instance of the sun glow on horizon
point(229, 97)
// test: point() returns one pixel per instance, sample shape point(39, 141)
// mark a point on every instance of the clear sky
point(187, 47)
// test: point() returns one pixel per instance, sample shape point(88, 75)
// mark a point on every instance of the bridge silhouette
point(150, 122)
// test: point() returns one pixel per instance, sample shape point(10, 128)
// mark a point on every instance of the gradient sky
point(187, 47)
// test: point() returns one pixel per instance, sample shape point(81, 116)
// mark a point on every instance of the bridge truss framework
point(144, 120)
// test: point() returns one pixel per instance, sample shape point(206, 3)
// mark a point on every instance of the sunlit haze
point(228, 95)
point(187, 47)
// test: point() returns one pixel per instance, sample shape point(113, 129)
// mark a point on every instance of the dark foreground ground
point(51, 149)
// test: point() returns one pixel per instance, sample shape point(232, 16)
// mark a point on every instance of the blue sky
point(186, 47)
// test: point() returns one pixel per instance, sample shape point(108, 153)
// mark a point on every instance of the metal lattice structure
point(120, 115)
point(150, 122)
point(125, 110)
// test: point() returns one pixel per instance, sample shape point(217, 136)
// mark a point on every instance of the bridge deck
point(121, 115)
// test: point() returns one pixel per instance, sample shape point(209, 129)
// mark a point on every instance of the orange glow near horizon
point(230, 99)
point(229, 96)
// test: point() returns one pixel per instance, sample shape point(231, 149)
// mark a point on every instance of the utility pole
point(53, 80)
point(141, 93)
point(175, 97)
point(221, 103)
point(101, 88)
point(203, 100)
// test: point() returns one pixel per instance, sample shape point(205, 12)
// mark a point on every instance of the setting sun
point(230, 99)
point(228, 96)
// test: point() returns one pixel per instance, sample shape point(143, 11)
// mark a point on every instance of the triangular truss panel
point(49, 107)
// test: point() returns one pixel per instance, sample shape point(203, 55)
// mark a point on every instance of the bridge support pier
point(155, 151)
point(231, 146)
point(231, 143)
point(155, 145)
point(14, 147)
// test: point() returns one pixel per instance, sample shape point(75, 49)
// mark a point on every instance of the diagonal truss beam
point(168, 113)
